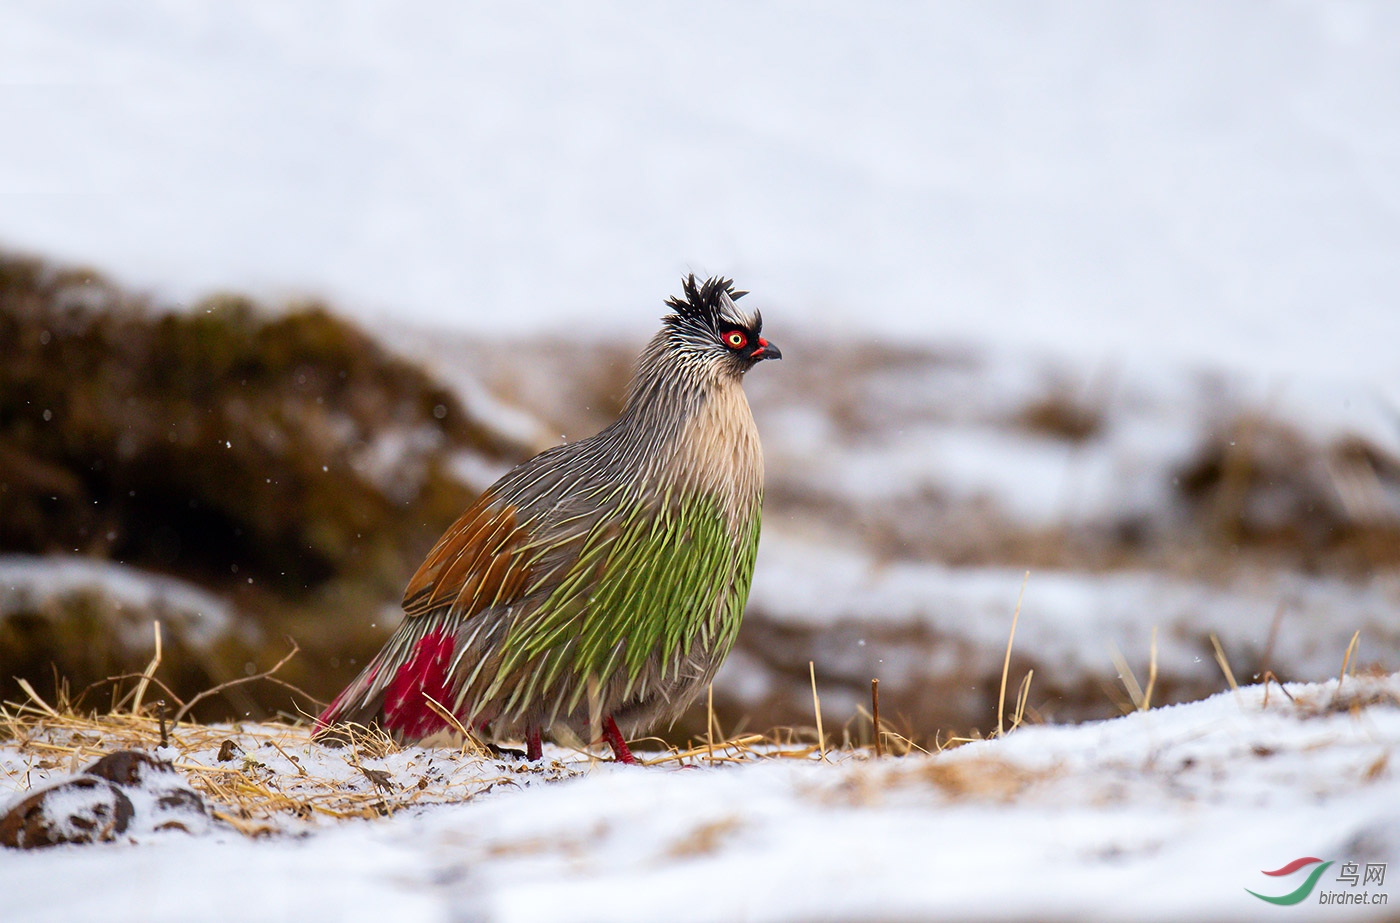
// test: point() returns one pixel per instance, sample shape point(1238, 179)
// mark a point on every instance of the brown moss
point(1062, 416)
point(223, 442)
point(1262, 487)
point(266, 455)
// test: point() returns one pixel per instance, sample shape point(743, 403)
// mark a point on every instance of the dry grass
point(262, 777)
point(704, 839)
point(230, 765)
point(981, 779)
point(1352, 698)
point(312, 780)
point(268, 778)
point(271, 778)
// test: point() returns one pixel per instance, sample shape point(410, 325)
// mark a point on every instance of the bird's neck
point(669, 386)
point(695, 431)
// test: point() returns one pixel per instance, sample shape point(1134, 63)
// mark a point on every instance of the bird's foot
point(619, 746)
point(534, 750)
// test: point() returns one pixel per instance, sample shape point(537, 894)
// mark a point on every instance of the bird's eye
point(735, 340)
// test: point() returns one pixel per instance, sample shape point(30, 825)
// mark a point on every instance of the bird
point(597, 587)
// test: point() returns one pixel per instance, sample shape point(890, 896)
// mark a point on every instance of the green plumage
point(672, 581)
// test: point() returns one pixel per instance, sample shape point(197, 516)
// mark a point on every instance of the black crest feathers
point(703, 303)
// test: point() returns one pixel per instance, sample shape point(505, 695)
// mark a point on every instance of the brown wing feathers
point(475, 565)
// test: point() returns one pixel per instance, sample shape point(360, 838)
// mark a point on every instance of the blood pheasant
point(599, 585)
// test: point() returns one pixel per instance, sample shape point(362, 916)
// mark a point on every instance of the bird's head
point(709, 327)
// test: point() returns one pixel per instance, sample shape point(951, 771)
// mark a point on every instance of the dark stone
point(91, 807)
point(83, 809)
point(126, 767)
point(181, 799)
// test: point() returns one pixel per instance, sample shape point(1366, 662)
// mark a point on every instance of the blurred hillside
point(246, 476)
point(284, 462)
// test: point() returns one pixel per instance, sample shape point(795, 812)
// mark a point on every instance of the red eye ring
point(734, 339)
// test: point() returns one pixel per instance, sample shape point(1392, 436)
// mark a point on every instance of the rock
point(83, 809)
point(126, 792)
point(127, 767)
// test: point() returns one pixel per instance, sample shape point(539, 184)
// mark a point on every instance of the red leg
point(614, 738)
point(533, 749)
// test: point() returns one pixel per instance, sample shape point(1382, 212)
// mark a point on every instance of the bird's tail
point(393, 690)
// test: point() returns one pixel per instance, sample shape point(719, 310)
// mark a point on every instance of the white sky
point(1216, 182)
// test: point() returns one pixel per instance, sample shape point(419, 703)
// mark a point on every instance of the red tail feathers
point(426, 674)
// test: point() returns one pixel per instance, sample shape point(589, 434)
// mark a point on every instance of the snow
point(39, 584)
point(1213, 184)
point(956, 429)
point(1161, 815)
point(1072, 620)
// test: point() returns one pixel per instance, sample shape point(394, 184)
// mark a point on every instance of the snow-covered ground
point(1213, 182)
point(1169, 814)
